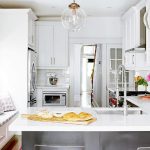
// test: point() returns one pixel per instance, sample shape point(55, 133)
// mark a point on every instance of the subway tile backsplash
point(43, 75)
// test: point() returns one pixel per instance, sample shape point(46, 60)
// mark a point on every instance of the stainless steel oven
point(54, 98)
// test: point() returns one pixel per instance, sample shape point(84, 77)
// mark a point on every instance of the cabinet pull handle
point(51, 60)
point(54, 60)
point(132, 59)
point(124, 60)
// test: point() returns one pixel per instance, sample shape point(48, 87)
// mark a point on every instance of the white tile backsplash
point(43, 75)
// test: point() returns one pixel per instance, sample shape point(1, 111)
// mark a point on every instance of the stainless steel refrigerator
point(32, 73)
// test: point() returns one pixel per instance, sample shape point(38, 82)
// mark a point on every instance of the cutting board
point(35, 117)
point(77, 122)
point(145, 97)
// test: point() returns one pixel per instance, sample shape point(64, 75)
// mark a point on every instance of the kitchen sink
point(117, 110)
point(133, 93)
point(113, 101)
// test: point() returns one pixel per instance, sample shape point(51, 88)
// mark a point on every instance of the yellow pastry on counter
point(71, 116)
point(59, 117)
point(45, 115)
point(83, 116)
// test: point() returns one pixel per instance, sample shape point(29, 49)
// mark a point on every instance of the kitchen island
point(114, 128)
point(115, 121)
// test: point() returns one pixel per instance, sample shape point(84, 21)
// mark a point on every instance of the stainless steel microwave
point(54, 98)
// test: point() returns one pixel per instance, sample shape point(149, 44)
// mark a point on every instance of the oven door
point(54, 99)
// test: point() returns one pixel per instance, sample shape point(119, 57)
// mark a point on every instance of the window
point(115, 59)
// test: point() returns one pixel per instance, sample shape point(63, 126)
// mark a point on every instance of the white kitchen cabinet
point(134, 61)
point(52, 45)
point(60, 45)
point(129, 29)
point(45, 45)
point(133, 37)
point(31, 29)
point(129, 60)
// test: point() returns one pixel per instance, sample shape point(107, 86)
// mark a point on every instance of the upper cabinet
point(31, 29)
point(136, 38)
point(130, 29)
point(52, 45)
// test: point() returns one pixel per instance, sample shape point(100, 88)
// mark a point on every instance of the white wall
point(13, 55)
point(100, 27)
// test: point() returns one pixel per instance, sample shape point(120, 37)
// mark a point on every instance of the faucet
point(122, 69)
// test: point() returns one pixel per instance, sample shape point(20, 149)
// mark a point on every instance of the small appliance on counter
point(52, 79)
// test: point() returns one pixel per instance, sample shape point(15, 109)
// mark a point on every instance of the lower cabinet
point(60, 140)
point(85, 140)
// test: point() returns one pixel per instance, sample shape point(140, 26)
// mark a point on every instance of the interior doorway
point(87, 70)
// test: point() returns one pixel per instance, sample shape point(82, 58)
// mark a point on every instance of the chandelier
point(73, 18)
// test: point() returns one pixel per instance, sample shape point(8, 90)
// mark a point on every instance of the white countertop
point(143, 104)
point(105, 122)
point(113, 89)
point(62, 86)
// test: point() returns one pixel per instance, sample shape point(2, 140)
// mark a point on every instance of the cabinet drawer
point(48, 147)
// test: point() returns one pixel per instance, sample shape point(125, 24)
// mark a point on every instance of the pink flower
point(148, 77)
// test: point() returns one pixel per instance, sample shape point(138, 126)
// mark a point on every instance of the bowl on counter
point(53, 80)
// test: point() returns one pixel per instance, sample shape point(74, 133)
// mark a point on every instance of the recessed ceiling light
point(53, 7)
point(109, 7)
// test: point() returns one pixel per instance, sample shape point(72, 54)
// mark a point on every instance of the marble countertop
point(105, 122)
point(113, 89)
point(143, 104)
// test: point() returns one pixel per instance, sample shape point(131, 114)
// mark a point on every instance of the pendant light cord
point(73, 1)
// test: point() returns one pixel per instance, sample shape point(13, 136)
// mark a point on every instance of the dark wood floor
point(13, 144)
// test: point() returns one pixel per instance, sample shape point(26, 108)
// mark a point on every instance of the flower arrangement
point(139, 80)
point(148, 78)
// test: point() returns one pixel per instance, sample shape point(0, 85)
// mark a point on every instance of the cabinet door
point(129, 29)
point(130, 61)
point(60, 45)
point(140, 60)
point(128, 33)
point(44, 44)
point(133, 30)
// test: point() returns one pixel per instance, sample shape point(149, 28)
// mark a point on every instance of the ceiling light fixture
point(73, 18)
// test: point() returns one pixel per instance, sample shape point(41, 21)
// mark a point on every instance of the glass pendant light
point(73, 18)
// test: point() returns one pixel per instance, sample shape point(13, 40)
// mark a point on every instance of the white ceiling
point(55, 7)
